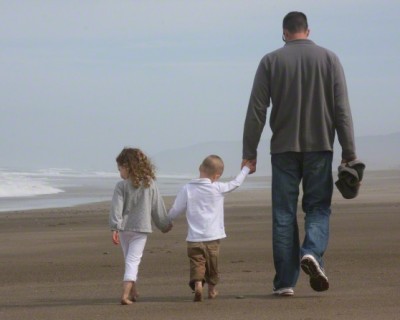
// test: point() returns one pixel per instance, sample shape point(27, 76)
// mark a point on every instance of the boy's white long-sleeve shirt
point(203, 203)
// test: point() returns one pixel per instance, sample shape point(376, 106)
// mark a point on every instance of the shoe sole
point(318, 281)
point(286, 293)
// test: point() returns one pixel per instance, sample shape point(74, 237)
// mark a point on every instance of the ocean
point(61, 187)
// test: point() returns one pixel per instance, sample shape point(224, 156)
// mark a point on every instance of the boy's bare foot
point(198, 292)
point(212, 292)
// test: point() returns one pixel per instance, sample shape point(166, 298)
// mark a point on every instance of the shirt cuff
point(246, 170)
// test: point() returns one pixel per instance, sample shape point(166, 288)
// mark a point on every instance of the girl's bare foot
point(127, 287)
point(198, 291)
point(134, 297)
point(212, 292)
point(134, 294)
point(126, 302)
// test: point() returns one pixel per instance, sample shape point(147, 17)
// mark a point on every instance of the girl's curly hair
point(140, 169)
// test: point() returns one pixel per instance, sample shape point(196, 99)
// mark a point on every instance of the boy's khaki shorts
point(203, 258)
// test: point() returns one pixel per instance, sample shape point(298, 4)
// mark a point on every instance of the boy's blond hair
point(212, 165)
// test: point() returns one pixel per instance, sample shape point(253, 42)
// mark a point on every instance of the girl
point(136, 202)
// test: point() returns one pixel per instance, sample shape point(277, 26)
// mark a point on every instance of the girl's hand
point(115, 237)
point(168, 229)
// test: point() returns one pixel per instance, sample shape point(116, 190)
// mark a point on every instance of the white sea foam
point(57, 187)
point(20, 184)
point(26, 183)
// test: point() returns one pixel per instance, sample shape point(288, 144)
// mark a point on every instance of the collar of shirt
point(201, 181)
point(299, 41)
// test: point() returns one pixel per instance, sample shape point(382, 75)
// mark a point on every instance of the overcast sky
point(81, 79)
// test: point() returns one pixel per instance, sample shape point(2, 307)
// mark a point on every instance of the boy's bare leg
point(126, 291)
point(198, 291)
point(212, 292)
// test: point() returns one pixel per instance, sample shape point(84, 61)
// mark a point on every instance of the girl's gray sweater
point(134, 209)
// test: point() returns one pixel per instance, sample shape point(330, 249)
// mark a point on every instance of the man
point(307, 88)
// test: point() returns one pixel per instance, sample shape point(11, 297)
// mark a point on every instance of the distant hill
point(187, 160)
point(378, 152)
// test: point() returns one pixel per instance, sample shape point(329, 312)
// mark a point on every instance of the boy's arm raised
point(226, 187)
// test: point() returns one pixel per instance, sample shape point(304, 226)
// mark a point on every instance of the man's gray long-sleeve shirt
point(307, 88)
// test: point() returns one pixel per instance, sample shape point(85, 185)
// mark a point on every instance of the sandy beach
point(61, 263)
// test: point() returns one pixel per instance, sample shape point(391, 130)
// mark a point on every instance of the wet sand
point(61, 264)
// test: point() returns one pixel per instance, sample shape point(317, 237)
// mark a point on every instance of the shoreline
point(85, 195)
point(251, 184)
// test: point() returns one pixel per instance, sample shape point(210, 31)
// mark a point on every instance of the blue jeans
point(314, 170)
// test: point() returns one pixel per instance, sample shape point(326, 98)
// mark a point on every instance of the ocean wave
point(29, 183)
point(20, 185)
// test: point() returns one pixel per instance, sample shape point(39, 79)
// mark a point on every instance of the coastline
point(60, 263)
point(88, 191)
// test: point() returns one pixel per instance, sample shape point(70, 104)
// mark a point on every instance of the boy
point(202, 200)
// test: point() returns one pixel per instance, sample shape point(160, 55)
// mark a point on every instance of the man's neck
point(296, 36)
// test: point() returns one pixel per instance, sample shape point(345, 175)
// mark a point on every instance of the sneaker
point(283, 292)
point(318, 279)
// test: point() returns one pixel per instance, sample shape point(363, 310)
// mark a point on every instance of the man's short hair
point(295, 22)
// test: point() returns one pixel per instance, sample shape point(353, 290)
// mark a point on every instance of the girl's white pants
point(132, 244)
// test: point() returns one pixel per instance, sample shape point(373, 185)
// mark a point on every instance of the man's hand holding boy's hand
point(251, 164)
